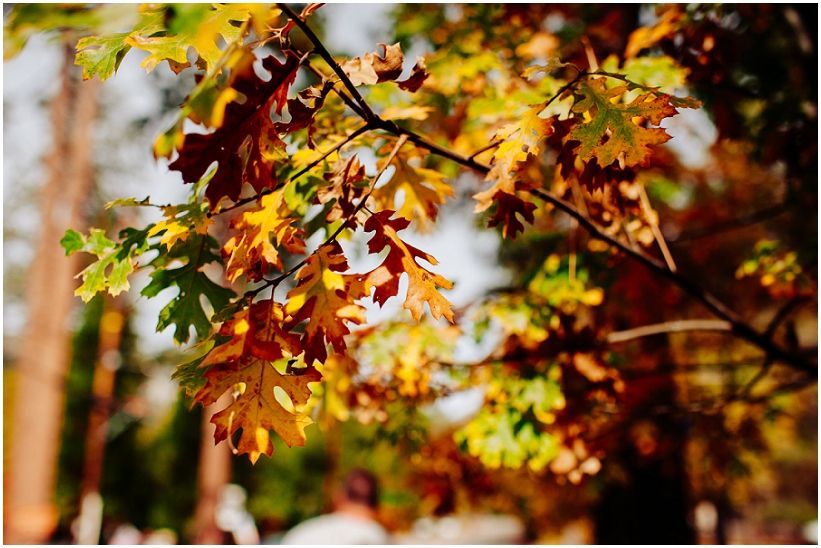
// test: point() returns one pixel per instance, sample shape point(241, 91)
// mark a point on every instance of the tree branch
point(782, 314)
point(276, 281)
point(677, 326)
point(325, 54)
point(654, 226)
point(739, 327)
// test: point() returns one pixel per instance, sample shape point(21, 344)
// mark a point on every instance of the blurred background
point(124, 458)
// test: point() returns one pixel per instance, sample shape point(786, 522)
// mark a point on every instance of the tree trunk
point(43, 362)
point(213, 473)
point(108, 361)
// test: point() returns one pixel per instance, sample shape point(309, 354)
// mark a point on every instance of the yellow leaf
point(263, 230)
point(521, 139)
point(423, 189)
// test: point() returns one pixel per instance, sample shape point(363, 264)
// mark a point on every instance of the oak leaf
point(246, 146)
point(417, 77)
point(373, 68)
point(103, 54)
point(325, 298)
point(401, 259)
point(186, 309)
point(200, 27)
point(114, 261)
point(520, 140)
point(250, 251)
point(179, 222)
point(346, 186)
point(611, 131)
point(423, 189)
point(507, 206)
point(256, 341)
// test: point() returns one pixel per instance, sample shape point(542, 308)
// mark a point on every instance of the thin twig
point(745, 391)
point(342, 95)
point(654, 226)
point(676, 326)
point(782, 314)
point(494, 144)
point(333, 149)
point(571, 261)
point(265, 192)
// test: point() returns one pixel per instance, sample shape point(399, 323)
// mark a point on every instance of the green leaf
point(611, 132)
point(197, 26)
point(190, 374)
point(72, 242)
point(101, 54)
point(120, 257)
point(186, 310)
point(130, 202)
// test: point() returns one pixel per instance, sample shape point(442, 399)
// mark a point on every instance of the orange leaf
point(343, 188)
point(402, 259)
point(325, 298)
point(257, 340)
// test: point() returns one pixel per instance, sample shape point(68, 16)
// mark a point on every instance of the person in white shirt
point(353, 520)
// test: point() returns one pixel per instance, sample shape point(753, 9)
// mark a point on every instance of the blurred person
point(352, 522)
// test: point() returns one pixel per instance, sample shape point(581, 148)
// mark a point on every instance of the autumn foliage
point(549, 136)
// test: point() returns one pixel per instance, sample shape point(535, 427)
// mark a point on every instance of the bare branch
point(492, 145)
point(677, 326)
point(782, 314)
point(654, 226)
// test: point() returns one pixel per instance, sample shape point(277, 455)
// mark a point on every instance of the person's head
point(361, 488)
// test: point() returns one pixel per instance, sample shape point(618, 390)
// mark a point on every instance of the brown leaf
point(343, 189)
point(246, 146)
point(373, 68)
point(417, 77)
point(402, 259)
point(257, 339)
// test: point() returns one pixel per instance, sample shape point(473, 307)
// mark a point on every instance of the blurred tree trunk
point(108, 361)
point(213, 473)
point(333, 458)
point(44, 354)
